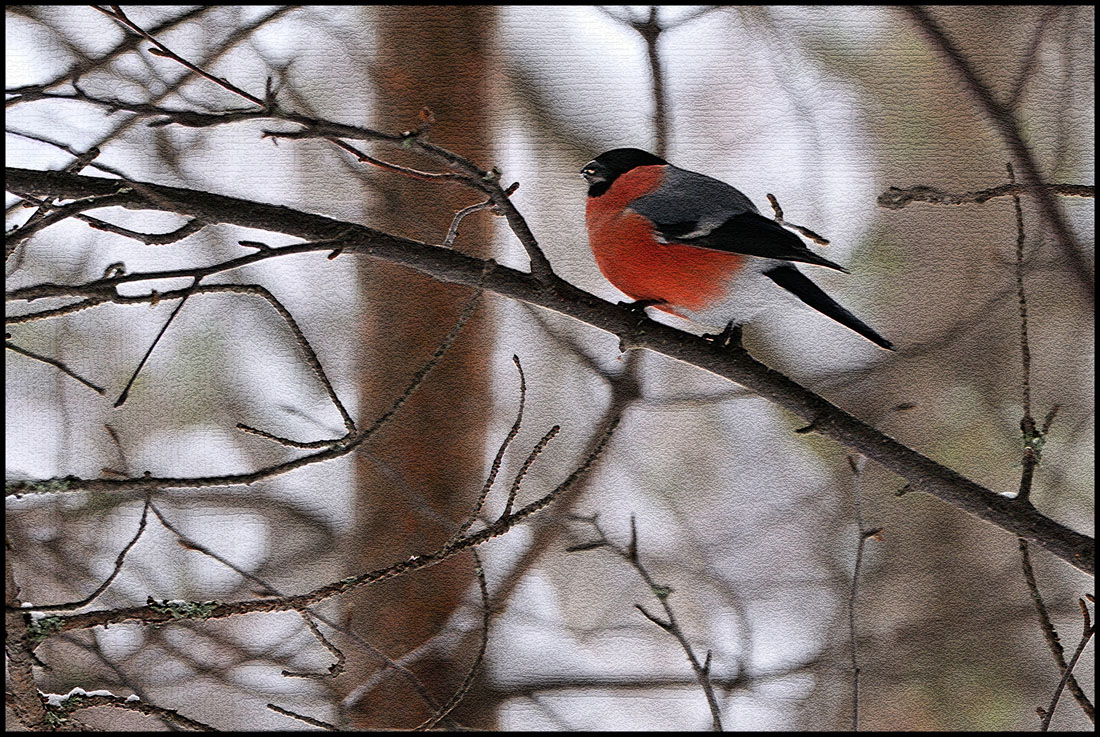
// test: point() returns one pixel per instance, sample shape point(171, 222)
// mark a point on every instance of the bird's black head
point(603, 170)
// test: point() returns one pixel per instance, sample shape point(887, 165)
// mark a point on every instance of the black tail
point(795, 282)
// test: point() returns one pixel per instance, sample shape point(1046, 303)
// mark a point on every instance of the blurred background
point(753, 527)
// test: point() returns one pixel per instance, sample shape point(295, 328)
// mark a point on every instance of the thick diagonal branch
point(922, 473)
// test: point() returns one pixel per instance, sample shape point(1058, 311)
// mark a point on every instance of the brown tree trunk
point(422, 472)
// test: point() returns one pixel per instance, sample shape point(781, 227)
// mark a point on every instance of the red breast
point(632, 259)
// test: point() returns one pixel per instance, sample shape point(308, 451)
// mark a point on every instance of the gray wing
point(697, 210)
point(686, 197)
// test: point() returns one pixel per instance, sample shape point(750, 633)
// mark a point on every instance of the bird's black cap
point(603, 170)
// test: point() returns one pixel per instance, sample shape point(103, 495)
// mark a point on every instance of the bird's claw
point(637, 307)
point(730, 337)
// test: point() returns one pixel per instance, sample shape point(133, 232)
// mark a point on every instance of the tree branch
point(1003, 119)
point(922, 473)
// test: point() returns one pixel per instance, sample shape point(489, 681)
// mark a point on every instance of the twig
point(800, 228)
point(1089, 630)
point(133, 377)
point(852, 633)
point(303, 718)
point(650, 30)
point(464, 688)
point(149, 239)
point(116, 13)
point(896, 198)
point(1027, 68)
point(299, 337)
point(55, 363)
point(1027, 422)
point(120, 559)
point(1004, 120)
point(1050, 634)
point(518, 480)
point(494, 469)
point(1033, 441)
point(337, 666)
point(662, 593)
point(452, 232)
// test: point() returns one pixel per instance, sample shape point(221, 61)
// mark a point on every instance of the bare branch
point(449, 266)
point(464, 687)
point(1050, 634)
point(1004, 120)
point(55, 363)
point(155, 612)
point(669, 623)
point(896, 198)
point(1048, 713)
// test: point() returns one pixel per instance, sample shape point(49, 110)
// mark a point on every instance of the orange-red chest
point(630, 257)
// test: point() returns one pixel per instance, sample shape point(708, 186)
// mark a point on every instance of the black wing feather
point(795, 282)
point(749, 233)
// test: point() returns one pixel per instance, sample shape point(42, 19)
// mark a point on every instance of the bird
point(696, 247)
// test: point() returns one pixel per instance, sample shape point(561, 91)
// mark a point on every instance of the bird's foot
point(730, 337)
point(637, 308)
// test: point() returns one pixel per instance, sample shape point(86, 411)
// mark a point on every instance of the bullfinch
point(696, 247)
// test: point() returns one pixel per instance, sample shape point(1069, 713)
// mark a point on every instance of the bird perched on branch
point(696, 247)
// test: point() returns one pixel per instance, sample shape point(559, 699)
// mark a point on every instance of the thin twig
point(56, 364)
point(662, 593)
point(494, 469)
point(464, 687)
point(300, 338)
point(852, 633)
point(133, 377)
point(150, 239)
point(1030, 57)
point(1027, 422)
point(518, 480)
point(1048, 714)
point(1006, 123)
point(303, 718)
point(337, 666)
point(162, 50)
point(120, 559)
point(896, 198)
point(800, 228)
point(1050, 634)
